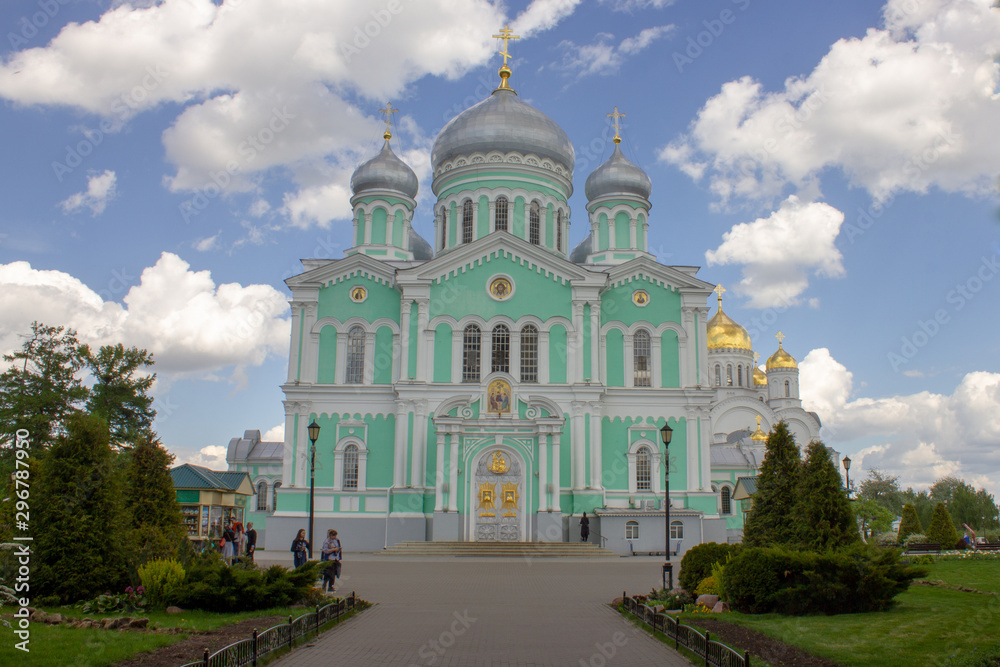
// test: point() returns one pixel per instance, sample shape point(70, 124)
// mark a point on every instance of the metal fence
point(712, 652)
point(249, 651)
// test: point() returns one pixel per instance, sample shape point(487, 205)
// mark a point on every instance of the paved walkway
point(489, 612)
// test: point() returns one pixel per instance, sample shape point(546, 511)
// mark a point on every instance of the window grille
point(632, 530)
point(559, 231)
point(718, 375)
point(729, 375)
point(534, 225)
point(467, 222)
point(643, 470)
point(355, 355)
point(262, 497)
point(501, 223)
point(444, 228)
point(640, 355)
point(351, 467)
point(501, 349)
point(727, 506)
point(676, 530)
point(529, 354)
point(788, 391)
point(274, 495)
point(471, 343)
point(739, 375)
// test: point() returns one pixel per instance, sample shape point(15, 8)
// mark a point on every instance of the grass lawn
point(62, 646)
point(928, 627)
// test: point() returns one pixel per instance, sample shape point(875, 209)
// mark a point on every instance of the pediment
point(337, 269)
point(668, 276)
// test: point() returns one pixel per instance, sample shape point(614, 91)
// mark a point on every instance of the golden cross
point(388, 111)
point(720, 290)
point(505, 35)
point(758, 421)
point(756, 356)
point(616, 116)
point(780, 336)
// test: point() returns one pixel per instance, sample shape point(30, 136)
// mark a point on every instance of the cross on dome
point(387, 112)
point(616, 116)
point(780, 336)
point(720, 290)
point(506, 35)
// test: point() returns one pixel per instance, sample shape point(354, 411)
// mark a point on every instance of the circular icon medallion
point(358, 294)
point(640, 297)
point(501, 288)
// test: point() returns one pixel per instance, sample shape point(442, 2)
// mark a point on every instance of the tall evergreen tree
point(942, 529)
point(156, 529)
point(769, 522)
point(120, 395)
point(78, 512)
point(910, 523)
point(822, 516)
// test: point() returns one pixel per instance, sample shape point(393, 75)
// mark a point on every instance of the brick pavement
point(489, 612)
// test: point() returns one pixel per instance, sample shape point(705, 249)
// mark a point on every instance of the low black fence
point(714, 653)
point(249, 651)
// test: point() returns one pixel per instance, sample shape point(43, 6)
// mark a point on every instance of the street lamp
point(668, 570)
point(847, 469)
point(313, 429)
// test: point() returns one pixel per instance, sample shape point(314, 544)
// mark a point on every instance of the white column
point(655, 359)
point(595, 342)
point(492, 225)
point(556, 484)
point(453, 473)
point(595, 446)
point(515, 354)
point(404, 341)
point(543, 358)
point(439, 475)
point(369, 372)
point(293, 349)
point(425, 343)
point(397, 358)
point(310, 355)
point(595, 234)
point(574, 345)
point(631, 231)
point(418, 464)
point(456, 354)
point(628, 360)
point(692, 452)
point(578, 447)
point(341, 357)
point(399, 463)
point(368, 228)
point(543, 471)
point(611, 232)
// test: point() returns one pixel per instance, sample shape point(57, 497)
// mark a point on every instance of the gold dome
point(759, 377)
point(781, 359)
point(724, 332)
point(758, 435)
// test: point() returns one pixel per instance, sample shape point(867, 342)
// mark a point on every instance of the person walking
point(251, 541)
point(228, 544)
point(332, 551)
point(584, 528)
point(300, 548)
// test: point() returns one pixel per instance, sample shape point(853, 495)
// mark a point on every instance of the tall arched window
point(501, 207)
point(262, 496)
point(351, 467)
point(643, 470)
point(559, 231)
point(718, 375)
point(529, 354)
point(534, 224)
point(274, 496)
point(500, 349)
point(727, 505)
point(788, 390)
point(729, 375)
point(739, 375)
point(471, 343)
point(640, 356)
point(355, 355)
point(444, 228)
point(467, 222)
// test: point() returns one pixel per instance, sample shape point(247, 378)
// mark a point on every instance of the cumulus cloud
point(274, 434)
point(779, 252)
point(904, 108)
point(191, 325)
point(212, 457)
point(101, 189)
point(602, 56)
point(542, 15)
point(630, 6)
point(921, 437)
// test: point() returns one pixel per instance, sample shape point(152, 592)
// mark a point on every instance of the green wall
point(383, 356)
point(615, 359)
point(327, 371)
point(442, 353)
point(382, 301)
point(557, 354)
point(670, 371)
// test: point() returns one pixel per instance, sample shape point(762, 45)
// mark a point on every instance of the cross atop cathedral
point(780, 336)
point(720, 290)
point(616, 116)
point(756, 356)
point(506, 36)
point(387, 112)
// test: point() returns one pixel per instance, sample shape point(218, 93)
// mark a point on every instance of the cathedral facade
point(493, 385)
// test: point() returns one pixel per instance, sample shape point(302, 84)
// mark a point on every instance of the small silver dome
point(618, 176)
point(385, 171)
point(419, 246)
point(502, 122)
point(580, 252)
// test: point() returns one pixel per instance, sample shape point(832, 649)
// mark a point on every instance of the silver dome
point(385, 171)
point(617, 176)
point(580, 252)
point(502, 122)
point(419, 246)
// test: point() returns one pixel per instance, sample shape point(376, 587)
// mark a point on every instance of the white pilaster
point(399, 462)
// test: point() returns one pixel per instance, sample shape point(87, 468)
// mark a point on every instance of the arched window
point(718, 375)
point(727, 506)
point(471, 342)
point(355, 355)
point(529, 354)
point(501, 222)
point(643, 470)
point(262, 496)
point(676, 530)
point(729, 375)
point(559, 231)
point(640, 356)
point(534, 224)
point(467, 222)
point(739, 375)
point(274, 496)
point(351, 467)
point(788, 389)
point(631, 530)
point(444, 228)
point(501, 349)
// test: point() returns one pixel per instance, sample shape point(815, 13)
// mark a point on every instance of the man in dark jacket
point(251, 542)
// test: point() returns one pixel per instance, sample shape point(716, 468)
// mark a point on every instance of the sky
point(835, 166)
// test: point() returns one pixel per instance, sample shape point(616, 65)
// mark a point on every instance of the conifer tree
point(770, 520)
point(156, 527)
point(910, 523)
point(822, 516)
point(942, 529)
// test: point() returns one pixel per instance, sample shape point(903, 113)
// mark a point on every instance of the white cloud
point(212, 457)
point(779, 252)
point(630, 6)
point(542, 15)
point(101, 189)
point(208, 243)
point(921, 437)
point(191, 325)
point(274, 434)
point(905, 108)
point(602, 57)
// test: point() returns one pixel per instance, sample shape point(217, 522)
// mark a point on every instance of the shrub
point(211, 585)
point(853, 580)
point(131, 601)
point(915, 538)
point(162, 579)
point(909, 524)
point(889, 539)
point(707, 587)
point(697, 562)
point(670, 600)
point(942, 528)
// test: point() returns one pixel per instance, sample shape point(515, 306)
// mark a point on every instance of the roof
point(189, 476)
point(630, 512)
point(251, 447)
point(745, 487)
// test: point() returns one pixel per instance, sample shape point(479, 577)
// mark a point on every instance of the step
point(503, 549)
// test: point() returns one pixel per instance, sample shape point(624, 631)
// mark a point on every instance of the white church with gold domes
point(494, 385)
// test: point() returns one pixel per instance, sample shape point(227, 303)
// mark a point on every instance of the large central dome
point(502, 122)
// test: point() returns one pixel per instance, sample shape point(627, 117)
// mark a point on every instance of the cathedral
point(494, 384)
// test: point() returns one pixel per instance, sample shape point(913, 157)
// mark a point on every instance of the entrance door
point(498, 482)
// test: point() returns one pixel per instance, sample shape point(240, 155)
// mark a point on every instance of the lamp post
point(847, 469)
point(668, 570)
point(313, 429)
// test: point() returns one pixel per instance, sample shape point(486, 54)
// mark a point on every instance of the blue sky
point(833, 165)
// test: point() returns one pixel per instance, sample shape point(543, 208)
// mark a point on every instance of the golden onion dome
point(724, 332)
point(759, 377)
point(781, 359)
point(758, 435)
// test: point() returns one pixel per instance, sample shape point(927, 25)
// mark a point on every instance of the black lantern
point(313, 429)
point(666, 433)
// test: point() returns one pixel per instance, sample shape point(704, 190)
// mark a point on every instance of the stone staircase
point(500, 550)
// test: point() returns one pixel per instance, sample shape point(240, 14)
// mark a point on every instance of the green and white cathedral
point(494, 385)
